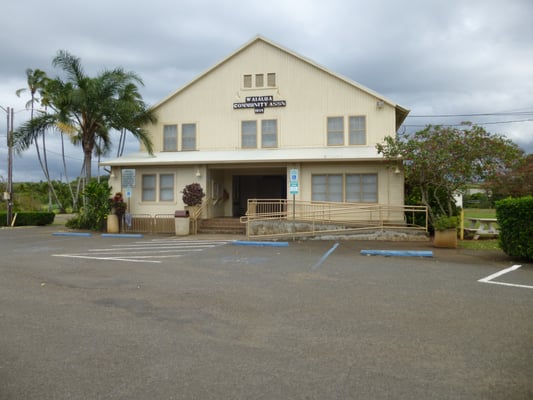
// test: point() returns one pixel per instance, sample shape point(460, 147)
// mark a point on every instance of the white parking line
point(489, 279)
point(147, 251)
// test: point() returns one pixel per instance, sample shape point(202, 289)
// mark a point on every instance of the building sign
point(293, 181)
point(259, 103)
point(128, 178)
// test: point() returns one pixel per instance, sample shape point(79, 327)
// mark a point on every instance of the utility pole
point(8, 194)
point(10, 170)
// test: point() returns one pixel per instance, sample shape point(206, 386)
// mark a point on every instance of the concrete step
point(221, 225)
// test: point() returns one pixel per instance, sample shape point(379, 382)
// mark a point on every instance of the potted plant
point(118, 207)
point(192, 197)
point(445, 231)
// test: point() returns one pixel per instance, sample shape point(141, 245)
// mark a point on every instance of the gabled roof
point(401, 112)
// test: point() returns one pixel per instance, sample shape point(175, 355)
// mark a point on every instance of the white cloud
point(438, 57)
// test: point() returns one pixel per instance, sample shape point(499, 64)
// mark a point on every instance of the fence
point(146, 223)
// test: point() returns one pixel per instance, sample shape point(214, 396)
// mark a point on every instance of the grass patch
point(483, 244)
point(480, 213)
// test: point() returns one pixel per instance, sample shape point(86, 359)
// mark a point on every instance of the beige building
point(241, 128)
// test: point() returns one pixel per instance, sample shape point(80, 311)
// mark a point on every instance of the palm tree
point(132, 114)
point(89, 108)
point(37, 81)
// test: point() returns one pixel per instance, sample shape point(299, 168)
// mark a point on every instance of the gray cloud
point(438, 57)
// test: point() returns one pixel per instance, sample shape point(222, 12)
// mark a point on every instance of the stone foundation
point(313, 231)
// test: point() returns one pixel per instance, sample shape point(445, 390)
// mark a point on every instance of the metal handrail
point(196, 215)
point(350, 216)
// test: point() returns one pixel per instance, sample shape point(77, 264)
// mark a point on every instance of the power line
point(475, 123)
point(492, 114)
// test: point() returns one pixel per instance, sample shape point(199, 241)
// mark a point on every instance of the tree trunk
point(87, 164)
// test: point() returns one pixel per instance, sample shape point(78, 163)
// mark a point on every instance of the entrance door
point(256, 187)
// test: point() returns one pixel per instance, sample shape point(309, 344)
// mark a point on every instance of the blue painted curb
point(398, 253)
point(84, 234)
point(122, 235)
point(271, 244)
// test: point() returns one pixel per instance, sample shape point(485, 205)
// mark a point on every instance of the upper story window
point(354, 134)
point(247, 81)
point(249, 134)
point(170, 138)
point(250, 81)
point(269, 133)
point(335, 131)
point(188, 137)
point(357, 130)
point(259, 80)
point(271, 79)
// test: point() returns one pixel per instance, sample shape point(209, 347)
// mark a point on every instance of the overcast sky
point(450, 57)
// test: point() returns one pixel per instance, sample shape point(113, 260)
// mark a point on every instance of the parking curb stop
point(398, 253)
point(265, 244)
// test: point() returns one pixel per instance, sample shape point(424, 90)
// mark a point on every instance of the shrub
point(29, 218)
point(516, 230)
point(444, 222)
point(93, 214)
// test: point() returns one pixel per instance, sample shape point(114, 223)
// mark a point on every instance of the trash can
point(181, 219)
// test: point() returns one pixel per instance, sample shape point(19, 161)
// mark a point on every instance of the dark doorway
point(256, 187)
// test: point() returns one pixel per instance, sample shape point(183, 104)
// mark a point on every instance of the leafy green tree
point(440, 161)
point(88, 108)
point(37, 81)
point(517, 182)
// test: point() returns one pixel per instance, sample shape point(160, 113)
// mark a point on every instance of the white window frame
point(361, 188)
point(188, 143)
point(249, 136)
point(166, 189)
point(259, 80)
point(269, 139)
point(170, 137)
point(152, 189)
point(335, 134)
point(332, 187)
point(357, 131)
point(340, 187)
point(158, 187)
point(247, 81)
point(271, 79)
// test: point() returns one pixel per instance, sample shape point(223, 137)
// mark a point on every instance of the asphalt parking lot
point(201, 318)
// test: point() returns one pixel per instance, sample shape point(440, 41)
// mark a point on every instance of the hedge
point(515, 216)
point(29, 218)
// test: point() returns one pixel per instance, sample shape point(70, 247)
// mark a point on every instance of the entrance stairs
point(223, 225)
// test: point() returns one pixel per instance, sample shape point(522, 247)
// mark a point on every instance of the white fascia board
point(248, 156)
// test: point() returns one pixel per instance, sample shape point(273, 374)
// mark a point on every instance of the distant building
point(243, 126)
